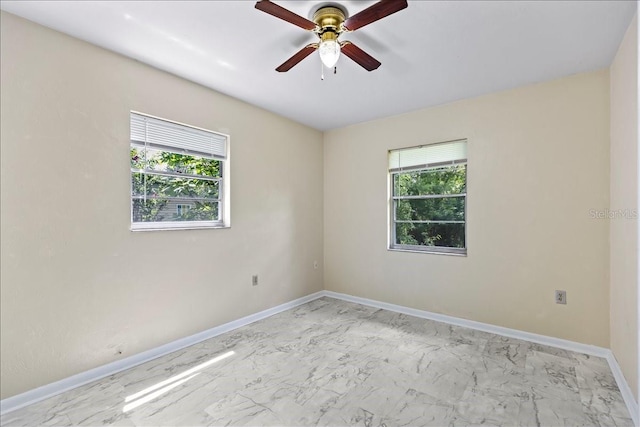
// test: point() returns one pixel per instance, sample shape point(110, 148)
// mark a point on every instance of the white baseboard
point(591, 350)
point(32, 396)
point(627, 394)
point(485, 327)
point(49, 390)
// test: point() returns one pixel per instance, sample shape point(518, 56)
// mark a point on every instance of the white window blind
point(427, 156)
point(151, 132)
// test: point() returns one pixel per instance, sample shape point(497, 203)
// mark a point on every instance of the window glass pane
point(449, 180)
point(149, 210)
point(443, 235)
point(161, 210)
point(137, 158)
point(165, 161)
point(169, 186)
point(196, 211)
point(434, 209)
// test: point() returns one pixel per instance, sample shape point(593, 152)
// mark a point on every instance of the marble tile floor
point(334, 363)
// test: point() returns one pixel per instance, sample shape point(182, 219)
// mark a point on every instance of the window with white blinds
point(428, 198)
point(179, 175)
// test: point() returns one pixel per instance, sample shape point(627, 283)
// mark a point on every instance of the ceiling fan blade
point(285, 14)
point(299, 56)
point(359, 56)
point(374, 12)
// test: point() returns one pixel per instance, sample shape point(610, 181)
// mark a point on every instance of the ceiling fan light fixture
point(329, 21)
point(329, 52)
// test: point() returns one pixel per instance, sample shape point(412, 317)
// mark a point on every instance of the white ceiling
point(433, 52)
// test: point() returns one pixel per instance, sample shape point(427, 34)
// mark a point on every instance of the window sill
point(428, 251)
point(171, 226)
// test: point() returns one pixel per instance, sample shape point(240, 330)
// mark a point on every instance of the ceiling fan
point(328, 23)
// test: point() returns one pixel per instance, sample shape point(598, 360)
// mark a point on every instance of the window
point(179, 175)
point(182, 209)
point(428, 187)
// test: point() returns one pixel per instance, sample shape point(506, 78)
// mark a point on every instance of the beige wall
point(538, 163)
point(77, 285)
point(624, 199)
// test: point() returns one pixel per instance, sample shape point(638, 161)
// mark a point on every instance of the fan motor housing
point(329, 18)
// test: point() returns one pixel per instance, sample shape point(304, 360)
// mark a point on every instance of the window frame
point(224, 211)
point(392, 203)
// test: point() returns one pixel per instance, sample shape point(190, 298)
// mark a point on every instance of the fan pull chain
point(335, 70)
point(321, 71)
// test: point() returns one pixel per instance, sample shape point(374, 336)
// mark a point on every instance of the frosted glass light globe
point(329, 52)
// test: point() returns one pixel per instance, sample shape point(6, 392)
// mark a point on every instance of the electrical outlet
point(561, 297)
point(254, 280)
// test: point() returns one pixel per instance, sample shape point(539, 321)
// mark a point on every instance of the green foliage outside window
point(440, 183)
point(155, 197)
